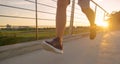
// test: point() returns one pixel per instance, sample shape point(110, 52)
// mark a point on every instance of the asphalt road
point(103, 50)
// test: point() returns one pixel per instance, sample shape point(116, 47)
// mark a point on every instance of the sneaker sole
point(51, 48)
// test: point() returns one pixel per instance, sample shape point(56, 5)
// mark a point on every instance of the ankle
point(58, 38)
point(93, 25)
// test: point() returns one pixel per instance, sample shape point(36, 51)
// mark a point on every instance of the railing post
point(72, 17)
point(36, 19)
point(104, 16)
point(95, 10)
point(99, 6)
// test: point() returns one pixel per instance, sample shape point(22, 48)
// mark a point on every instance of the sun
point(100, 20)
point(103, 24)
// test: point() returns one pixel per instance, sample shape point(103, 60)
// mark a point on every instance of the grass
point(8, 37)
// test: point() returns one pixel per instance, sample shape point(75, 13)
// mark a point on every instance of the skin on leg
point(90, 15)
point(61, 17)
point(85, 6)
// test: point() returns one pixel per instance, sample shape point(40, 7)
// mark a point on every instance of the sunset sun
point(102, 24)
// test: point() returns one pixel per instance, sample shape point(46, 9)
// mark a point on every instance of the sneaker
point(92, 32)
point(54, 45)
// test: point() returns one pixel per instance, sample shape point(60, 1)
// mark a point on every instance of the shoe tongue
point(56, 39)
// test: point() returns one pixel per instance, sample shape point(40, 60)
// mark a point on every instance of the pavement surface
point(104, 49)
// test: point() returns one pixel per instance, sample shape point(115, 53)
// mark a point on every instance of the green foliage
point(8, 37)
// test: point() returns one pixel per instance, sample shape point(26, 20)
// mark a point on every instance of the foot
point(54, 45)
point(92, 32)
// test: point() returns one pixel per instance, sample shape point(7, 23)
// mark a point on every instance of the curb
point(9, 51)
point(18, 49)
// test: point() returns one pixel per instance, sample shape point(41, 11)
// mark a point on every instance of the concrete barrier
point(27, 47)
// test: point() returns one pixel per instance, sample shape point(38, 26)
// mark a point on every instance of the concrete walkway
point(103, 50)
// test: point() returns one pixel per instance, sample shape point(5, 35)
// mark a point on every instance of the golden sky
point(80, 18)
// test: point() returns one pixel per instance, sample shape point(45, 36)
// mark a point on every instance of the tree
point(114, 20)
point(8, 27)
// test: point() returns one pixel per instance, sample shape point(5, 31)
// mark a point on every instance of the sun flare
point(103, 24)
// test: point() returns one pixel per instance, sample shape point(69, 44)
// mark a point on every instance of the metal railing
point(36, 11)
point(72, 13)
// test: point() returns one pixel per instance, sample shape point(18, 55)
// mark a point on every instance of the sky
point(80, 18)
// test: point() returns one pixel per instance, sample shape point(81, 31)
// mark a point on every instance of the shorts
point(84, 3)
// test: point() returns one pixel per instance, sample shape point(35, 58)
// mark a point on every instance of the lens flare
point(103, 24)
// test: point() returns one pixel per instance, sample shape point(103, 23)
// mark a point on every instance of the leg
point(90, 15)
point(61, 17)
point(56, 44)
point(85, 6)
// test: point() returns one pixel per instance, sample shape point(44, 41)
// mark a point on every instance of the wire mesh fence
point(18, 20)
